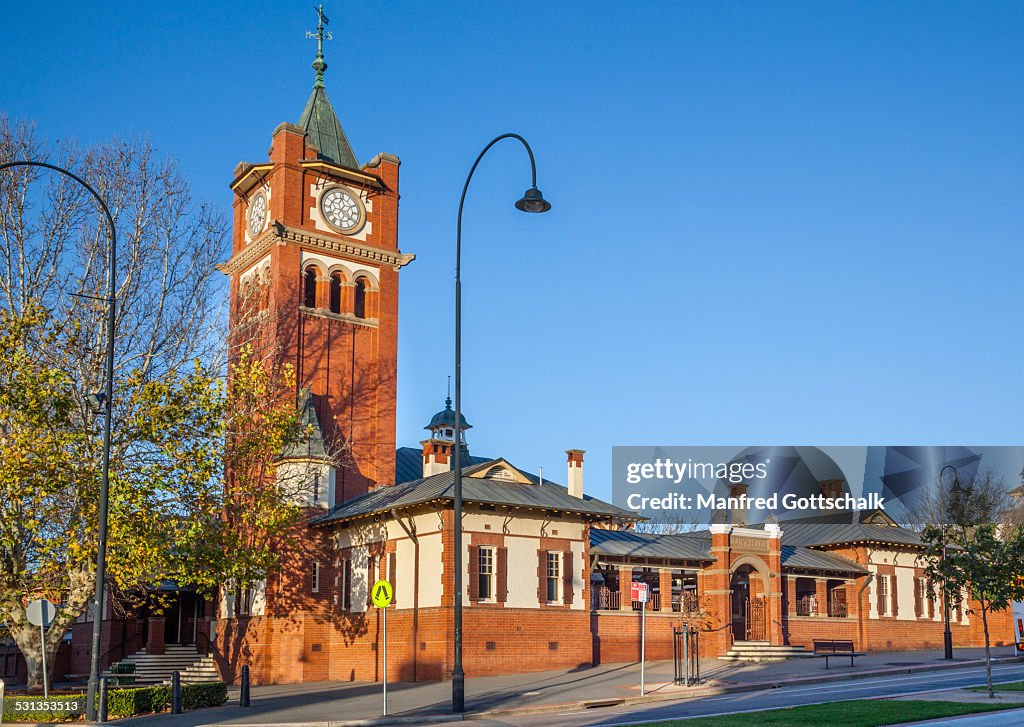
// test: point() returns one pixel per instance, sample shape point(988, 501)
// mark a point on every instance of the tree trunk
point(988, 652)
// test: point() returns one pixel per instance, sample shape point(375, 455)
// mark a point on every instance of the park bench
point(835, 648)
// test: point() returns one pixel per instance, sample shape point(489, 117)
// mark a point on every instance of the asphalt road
point(781, 697)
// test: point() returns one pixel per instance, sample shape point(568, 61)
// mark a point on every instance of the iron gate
point(756, 627)
point(686, 654)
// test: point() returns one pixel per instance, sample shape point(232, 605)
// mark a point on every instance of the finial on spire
point(319, 65)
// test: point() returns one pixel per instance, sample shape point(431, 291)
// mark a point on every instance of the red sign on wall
point(639, 592)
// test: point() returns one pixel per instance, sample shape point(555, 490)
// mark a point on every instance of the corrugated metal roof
point(830, 534)
point(794, 556)
point(546, 496)
point(409, 464)
point(697, 546)
point(629, 543)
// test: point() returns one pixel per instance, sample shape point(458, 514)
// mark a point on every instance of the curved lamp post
point(947, 635)
point(108, 397)
point(531, 201)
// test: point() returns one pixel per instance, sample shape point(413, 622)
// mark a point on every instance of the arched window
point(360, 303)
point(335, 302)
point(309, 288)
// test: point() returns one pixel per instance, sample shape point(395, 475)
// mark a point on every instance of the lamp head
point(533, 201)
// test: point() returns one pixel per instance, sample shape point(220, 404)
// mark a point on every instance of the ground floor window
point(485, 558)
point(554, 576)
point(883, 596)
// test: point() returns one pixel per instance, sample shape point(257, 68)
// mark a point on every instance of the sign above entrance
point(382, 594)
point(639, 592)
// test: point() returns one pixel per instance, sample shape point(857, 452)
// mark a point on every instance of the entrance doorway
point(181, 618)
point(748, 610)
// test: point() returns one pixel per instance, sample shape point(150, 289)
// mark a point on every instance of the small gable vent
point(500, 473)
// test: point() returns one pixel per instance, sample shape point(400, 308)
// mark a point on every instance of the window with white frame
point(315, 577)
point(485, 556)
point(883, 596)
point(922, 596)
point(554, 576)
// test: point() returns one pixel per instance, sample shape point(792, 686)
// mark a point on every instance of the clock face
point(341, 209)
point(257, 214)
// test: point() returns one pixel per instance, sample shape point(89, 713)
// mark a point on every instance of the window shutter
point(918, 603)
point(567, 577)
point(474, 573)
point(347, 595)
point(879, 601)
point(931, 603)
point(542, 573)
point(501, 585)
point(894, 595)
point(393, 575)
point(371, 578)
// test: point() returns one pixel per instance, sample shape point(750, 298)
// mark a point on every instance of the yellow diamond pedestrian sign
point(382, 594)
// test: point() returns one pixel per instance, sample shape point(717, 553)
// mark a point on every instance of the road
point(767, 699)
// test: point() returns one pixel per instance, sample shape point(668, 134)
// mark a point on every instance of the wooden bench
point(835, 648)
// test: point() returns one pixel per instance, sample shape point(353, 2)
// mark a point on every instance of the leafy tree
point(181, 417)
point(985, 561)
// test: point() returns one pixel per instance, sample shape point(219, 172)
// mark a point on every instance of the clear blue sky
point(774, 223)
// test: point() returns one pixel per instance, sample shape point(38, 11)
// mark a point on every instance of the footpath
point(429, 702)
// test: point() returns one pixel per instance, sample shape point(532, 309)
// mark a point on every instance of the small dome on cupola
point(445, 419)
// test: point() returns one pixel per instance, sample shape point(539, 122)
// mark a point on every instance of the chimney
point(436, 456)
point(575, 481)
point(741, 508)
point(831, 488)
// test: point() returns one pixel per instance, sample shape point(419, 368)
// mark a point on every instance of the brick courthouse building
point(314, 276)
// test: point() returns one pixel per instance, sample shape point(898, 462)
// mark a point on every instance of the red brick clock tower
point(314, 282)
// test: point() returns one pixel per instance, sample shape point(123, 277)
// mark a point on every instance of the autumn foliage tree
point(181, 417)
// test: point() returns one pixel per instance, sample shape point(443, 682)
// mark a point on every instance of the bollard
point(175, 692)
point(101, 711)
point(243, 697)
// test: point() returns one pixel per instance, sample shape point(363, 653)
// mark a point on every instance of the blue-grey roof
point(409, 464)
point(629, 543)
point(535, 495)
point(809, 534)
point(696, 546)
point(446, 418)
point(796, 557)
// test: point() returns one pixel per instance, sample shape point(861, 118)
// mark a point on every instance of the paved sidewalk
point(341, 701)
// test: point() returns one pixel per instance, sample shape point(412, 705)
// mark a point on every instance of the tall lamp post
point(947, 635)
point(108, 397)
point(531, 201)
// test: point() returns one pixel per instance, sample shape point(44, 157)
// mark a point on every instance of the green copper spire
point(318, 118)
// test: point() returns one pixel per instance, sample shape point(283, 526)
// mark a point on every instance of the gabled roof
point(324, 131)
point(527, 492)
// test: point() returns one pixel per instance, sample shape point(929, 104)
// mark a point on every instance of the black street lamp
point(531, 201)
point(106, 402)
point(947, 636)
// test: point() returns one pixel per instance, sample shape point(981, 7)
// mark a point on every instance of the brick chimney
point(575, 480)
point(741, 512)
point(831, 488)
point(436, 456)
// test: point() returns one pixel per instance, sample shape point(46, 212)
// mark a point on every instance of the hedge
point(127, 702)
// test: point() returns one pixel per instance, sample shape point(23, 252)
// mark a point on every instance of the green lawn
point(856, 713)
point(1010, 687)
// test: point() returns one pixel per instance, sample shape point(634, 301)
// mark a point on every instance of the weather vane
point(319, 65)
